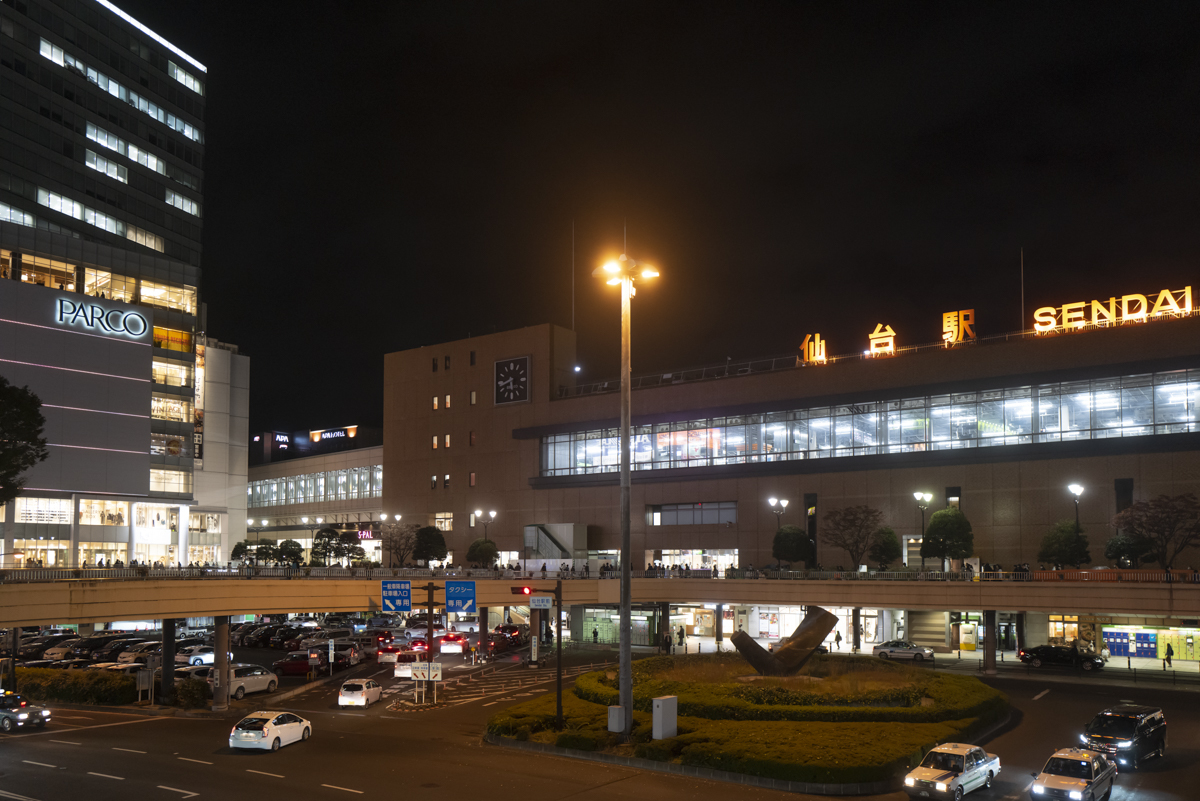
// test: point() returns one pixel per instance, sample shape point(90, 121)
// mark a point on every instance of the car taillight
point(264, 732)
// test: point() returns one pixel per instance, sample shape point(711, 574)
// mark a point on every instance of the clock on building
point(512, 380)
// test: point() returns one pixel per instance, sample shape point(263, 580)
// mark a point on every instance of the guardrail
point(35, 575)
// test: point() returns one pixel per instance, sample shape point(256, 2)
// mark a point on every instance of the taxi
point(952, 770)
point(1074, 774)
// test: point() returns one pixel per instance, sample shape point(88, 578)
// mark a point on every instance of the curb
point(861, 788)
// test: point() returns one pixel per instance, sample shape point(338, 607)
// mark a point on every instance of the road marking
point(264, 773)
point(39, 764)
point(186, 793)
point(1039, 695)
point(97, 726)
point(128, 750)
point(65, 742)
point(347, 789)
point(106, 776)
point(14, 796)
point(493, 702)
point(352, 714)
point(73, 717)
point(201, 761)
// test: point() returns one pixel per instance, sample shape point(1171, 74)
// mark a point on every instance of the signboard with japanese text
point(460, 596)
point(397, 595)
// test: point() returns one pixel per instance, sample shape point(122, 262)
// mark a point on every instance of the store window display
point(103, 513)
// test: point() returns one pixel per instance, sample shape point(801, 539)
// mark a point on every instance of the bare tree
point(399, 539)
point(852, 529)
point(1163, 527)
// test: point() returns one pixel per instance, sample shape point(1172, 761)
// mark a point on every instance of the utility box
point(666, 713)
point(616, 719)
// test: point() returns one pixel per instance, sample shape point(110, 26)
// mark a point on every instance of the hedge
point(76, 686)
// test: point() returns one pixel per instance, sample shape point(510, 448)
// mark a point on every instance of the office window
point(435, 441)
point(447, 440)
point(433, 482)
point(471, 438)
point(9, 214)
point(472, 480)
point(185, 203)
point(165, 296)
point(472, 397)
point(170, 339)
point(435, 403)
point(75, 209)
point(953, 497)
point(43, 510)
point(692, 514)
point(47, 272)
point(472, 358)
point(447, 362)
point(447, 401)
point(99, 283)
point(471, 522)
point(170, 480)
point(185, 77)
point(444, 520)
point(446, 481)
point(103, 165)
point(435, 364)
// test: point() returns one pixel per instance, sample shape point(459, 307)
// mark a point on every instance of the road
point(439, 754)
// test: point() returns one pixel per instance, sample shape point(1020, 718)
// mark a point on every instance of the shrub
point(192, 693)
point(76, 686)
point(582, 740)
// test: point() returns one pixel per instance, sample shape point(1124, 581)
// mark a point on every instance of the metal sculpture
point(788, 659)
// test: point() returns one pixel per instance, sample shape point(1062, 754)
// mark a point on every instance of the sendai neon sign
point(1125, 309)
point(90, 315)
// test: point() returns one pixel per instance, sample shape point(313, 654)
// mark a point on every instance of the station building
point(1099, 393)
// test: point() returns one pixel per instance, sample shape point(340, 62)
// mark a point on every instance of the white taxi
point(1076, 774)
point(952, 770)
point(268, 731)
point(359, 692)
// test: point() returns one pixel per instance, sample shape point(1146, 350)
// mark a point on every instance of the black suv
point(1062, 655)
point(1128, 732)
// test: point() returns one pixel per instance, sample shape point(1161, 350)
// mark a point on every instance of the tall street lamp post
point(923, 499)
point(485, 520)
point(257, 536)
point(312, 532)
point(622, 271)
point(781, 503)
point(1076, 490)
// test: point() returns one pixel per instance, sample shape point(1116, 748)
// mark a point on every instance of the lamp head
point(492, 514)
point(304, 520)
point(772, 501)
point(383, 515)
point(1076, 489)
point(478, 513)
point(612, 267)
point(783, 503)
point(927, 497)
point(264, 522)
point(249, 522)
point(320, 520)
point(917, 495)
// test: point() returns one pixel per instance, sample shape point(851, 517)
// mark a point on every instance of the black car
point(1060, 656)
point(110, 652)
point(247, 636)
point(88, 645)
point(517, 635)
point(35, 648)
point(1128, 733)
point(282, 635)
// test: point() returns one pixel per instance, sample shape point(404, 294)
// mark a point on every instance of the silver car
point(902, 649)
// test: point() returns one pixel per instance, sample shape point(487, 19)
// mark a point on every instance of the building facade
point(101, 209)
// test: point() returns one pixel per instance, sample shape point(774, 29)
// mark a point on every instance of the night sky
point(384, 176)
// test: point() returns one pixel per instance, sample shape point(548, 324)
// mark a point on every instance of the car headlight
point(22, 716)
point(1038, 789)
point(940, 787)
point(1076, 795)
point(1083, 738)
point(1124, 743)
point(909, 781)
point(45, 713)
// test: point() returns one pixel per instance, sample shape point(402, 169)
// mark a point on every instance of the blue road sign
point(397, 596)
point(460, 596)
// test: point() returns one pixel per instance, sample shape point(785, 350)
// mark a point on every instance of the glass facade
point(43, 510)
point(1123, 406)
point(334, 485)
point(103, 513)
point(692, 514)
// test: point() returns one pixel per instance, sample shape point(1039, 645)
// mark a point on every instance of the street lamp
point(1076, 490)
point(486, 520)
point(781, 503)
point(622, 271)
point(257, 536)
point(312, 533)
point(923, 499)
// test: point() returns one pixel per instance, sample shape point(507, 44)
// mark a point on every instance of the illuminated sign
point(958, 326)
point(332, 434)
point(364, 534)
point(883, 340)
point(812, 349)
point(326, 434)
point(1125, 309)
point(91, 315)
point(281, 438)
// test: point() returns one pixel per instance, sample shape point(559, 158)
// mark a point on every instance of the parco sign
point(96, 317)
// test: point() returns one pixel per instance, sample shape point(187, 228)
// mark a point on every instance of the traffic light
point(522, 590)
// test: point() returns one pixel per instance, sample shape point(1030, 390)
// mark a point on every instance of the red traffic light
point(522, 590)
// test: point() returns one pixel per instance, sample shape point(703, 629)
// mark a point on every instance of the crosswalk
point(505, 684)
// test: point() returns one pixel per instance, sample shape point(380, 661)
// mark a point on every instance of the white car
point(201, 672)
point(268, 731)
point(358, 692)
point(138, 653)
point(62, 650)
point(421, 632)
point(1075, 773)
point(901, 649)
point(196, 655)
point(952, 770)
point(249, 679)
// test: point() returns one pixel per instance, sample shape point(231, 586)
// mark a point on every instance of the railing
point(32, 575)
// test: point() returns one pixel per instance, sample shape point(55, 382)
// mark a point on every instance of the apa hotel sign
point(1125, 309)
point(96, 318)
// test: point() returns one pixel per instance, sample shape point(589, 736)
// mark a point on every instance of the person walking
point(837, 641)
point(682, 633)
point(595, 635)
point(1170, 653)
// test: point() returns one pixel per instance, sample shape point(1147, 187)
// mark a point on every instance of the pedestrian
point(595, 635)
point(837, 641)
point(1170, 653)
point(682, 633)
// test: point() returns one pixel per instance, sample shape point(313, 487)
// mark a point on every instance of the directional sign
point(540, 602)
point(397, 596)
point(460, 596)
point(427, 671)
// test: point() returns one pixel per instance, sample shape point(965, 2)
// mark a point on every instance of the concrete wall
point(220, 481)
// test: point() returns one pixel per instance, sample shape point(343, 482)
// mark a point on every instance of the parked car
point(201, 672)
point(196, 655)
point(18, 713)
point(1128, 733)
point(249, 679)
point(261, 637)
point(1075, 773)
point(282, 634)
point(60, 651)
point(114, 649)
point(36, 648)
point(902, 649)
point(88, 645)
point(952, 770)
point(71, 663)
point(297, 664)
point(269, 731)
point(1059, 655)
point(360, 692)
point(140, 653)
point(127, 669)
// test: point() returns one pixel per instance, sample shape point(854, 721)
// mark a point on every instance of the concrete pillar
point(504, 615)
point(482, 633)
point(73, 548)
point(664, 623)
point(87, 629)
point(1020, 626)
point(855, 628)
point(719, 623)
point(181, 549)
point(989, 642)
point(221, 664)
point(167, 686)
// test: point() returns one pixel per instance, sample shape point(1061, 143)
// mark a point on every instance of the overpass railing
point(35, 575)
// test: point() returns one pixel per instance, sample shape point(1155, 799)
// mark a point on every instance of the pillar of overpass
point(989, 642)
point(221, 664)
point(167, 687)
point(664, 624)
point(483, 627)
point(1020, 631)
point(504, 615)
point(719, 624)
point(856, 627)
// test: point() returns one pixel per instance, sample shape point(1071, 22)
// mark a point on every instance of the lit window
point(47, 272)
point(103, 513)
point(100, 283)
point(472, 397)
point(43, 510)
point(472, 522)
point(692, 514)
point(185, 77)
point(9, 214)
point(171, 374)
point(171, 339)
point(174, 481)
point(170, 445)
point(109, 168)
point(447, 401)
point(180, 298)
point(433, 482)
point(472, 481)
point(446, 481)
point(447, 362)
point(435, 403)
point(180, 202)
point(444, 520)
point(72, 208)
point(164, 407)
point(447, 440)
point(435, 441)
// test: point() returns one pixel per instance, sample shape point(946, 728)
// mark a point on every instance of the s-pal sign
point(93, 316)
point(1125, 309)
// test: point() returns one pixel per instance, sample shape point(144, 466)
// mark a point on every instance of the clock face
point(512, 380)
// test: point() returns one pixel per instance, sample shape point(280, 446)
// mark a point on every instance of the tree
point(346, 548)
point(240, 550)
point(1063, 545)
point(885, 548)
point(398, 541)
point(792, 545)
point(325, 545)
point(22, 445)
point(430, 545)
point(265, 551)
point(1126, 550)
point(290, 551)
point(483, 552)
point(852, 529)
point(1165, 526)
point(949, 536)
